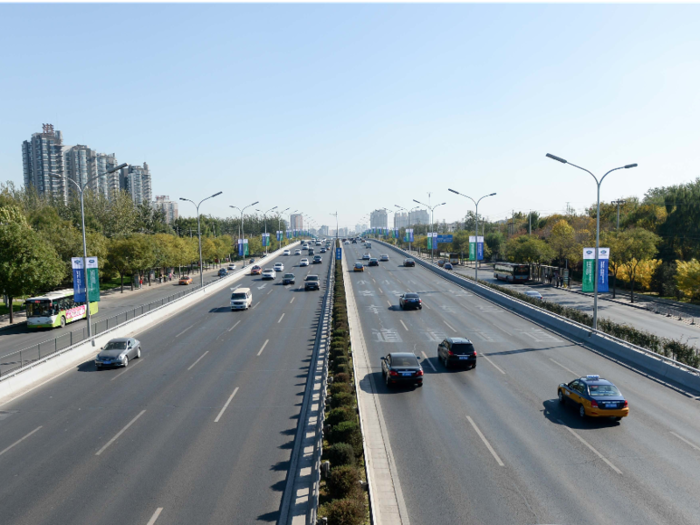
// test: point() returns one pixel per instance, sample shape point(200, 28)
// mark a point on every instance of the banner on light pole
point(78, 279)
point(588, 284)
point(603, 261)
point(479, 248)
point(93, 280)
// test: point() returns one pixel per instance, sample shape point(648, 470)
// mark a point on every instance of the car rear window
point(462, 349)
point(603, 390)
point(404, 360)
point(289, 276)
point(411, 296)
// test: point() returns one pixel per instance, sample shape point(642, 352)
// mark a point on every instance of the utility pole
point(529, 227)
point(618, 203)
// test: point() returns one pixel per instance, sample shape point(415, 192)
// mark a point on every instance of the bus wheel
point(63, 322)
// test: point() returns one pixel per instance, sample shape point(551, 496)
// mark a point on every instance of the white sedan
point(269, 273)
point(286, 252)
point(297, 252)
point(278, 267)
point(304, 262)
point(534, 295)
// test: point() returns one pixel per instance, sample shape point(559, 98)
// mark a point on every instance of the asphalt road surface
point(492, 445)
point(199, 430)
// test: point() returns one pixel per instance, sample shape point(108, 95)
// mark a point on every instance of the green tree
point(529, 249)
point(640, 245)
point(496, 243)
point(562, 240)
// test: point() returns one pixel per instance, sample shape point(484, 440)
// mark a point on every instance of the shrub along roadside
point(678, 350)
point(342, 498)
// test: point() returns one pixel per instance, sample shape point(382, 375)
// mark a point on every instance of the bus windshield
point(39, 309)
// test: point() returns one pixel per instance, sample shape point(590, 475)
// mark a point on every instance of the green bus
point(56, 309)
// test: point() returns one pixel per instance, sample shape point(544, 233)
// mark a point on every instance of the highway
point(199, 430)
point(492, 445)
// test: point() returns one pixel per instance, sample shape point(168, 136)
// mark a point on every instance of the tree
point(641, 246)
point(496, 243)
point(28, 264)
point(688, 278)
point(529, 249)
point(129, 255)
point(563, 241)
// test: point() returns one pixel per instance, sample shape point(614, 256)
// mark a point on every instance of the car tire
point(561, 397)
point(581, 412)
point(447, 363)
point(138, 353)
point(419, 384)
point(126, 362)
point(63, 322)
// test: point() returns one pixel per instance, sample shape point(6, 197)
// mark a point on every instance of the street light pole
point(81, 191)
point(242, 230)
point(279, 227)
point(618, 203)
point(199, 235)
point(476, 239)
point(597, 226)
point(265, 220)
point(432, 225)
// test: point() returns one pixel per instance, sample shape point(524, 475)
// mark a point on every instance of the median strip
point(119, 433)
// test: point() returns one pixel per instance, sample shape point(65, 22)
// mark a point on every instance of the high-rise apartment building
point(79, 166)
point(108, 184)
point(418, 217)
point(168, 207)
point(378, 219)
point(136, 180)
point(360, 228)
point(42, 156)
point(401, 220)
point(296, 221)
point(323, 231)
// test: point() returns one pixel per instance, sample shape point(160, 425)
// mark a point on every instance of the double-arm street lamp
point(597, 227)
point(279, 226)
point(241, 235)
point(336, 226)
point(265, 220)
point(476, 239)
point(81, 190)
point(432, 225)
point(199, 234)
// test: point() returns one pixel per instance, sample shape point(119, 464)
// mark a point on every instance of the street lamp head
point(254, 203)
point(453, 191)
point(124, 165)
point(491, 194)
point(631, 166)
point(182, 199)
point(217, 194)
point(556, 158)
point(414, 200)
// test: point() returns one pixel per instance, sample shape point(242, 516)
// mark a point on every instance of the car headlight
point(121, 357)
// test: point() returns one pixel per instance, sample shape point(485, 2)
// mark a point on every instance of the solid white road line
point(280, 319)
point(448, 326)
point(402, 324)
point(263, 346)
point(268, 293)
point(679, 437)
point(120, 433)
point(290, 302)
point(428, 307)
point(225, 406)
point(429, 361)
point(178, 335)
point(590, 447)
point(567, 369)
point(493, 364)
point(389, 302)
point(127, 369)
point(488, 445)
point(20, 440)
point(155, 516)
point(197, 361)
point(234, 326)
point(256, 304)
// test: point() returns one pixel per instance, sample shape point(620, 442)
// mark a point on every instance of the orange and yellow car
point(255, 270)
point(185, 279)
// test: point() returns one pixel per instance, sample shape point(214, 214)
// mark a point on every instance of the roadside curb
point(387, 504)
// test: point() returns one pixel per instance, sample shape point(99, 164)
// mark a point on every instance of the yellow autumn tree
point(645, 271)
point(688, 278)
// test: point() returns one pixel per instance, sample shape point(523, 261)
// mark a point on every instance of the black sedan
point(410, 300)
point(402, 368)
point(373, 262)
point(457, 351)
point(409, 262)
point(288, 278)
point(117, 352)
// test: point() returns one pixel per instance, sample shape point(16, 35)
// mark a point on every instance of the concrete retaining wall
point(665, 368)
point(54, 365)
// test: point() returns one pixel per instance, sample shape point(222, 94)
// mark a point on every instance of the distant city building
point(42, 156)
point(136, 181)
point(168, 207)
point(79, 166)
point(108, 185)
point(378, 219)
point(418, 217)
point(297, 221)
point(342, 232)
point(401, 220)
point(323, 231)
point(360, 228)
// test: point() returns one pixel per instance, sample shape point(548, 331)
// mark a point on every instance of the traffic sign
point(338, 253)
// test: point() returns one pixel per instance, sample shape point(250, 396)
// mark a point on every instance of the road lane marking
point(197, 361)
point(120, 433)
point(280, 319)
point(256, 304)
point(225, 406)
point(374, 280)
point(590, 447)
point(290, 302)
point(234, 326)
point(429, 361)
point(448, 326)
point(155, 516)
point(127, 369)
point(567, 369)
point(488, 445)
point(263, 346)
point(388, 301)
point(268, 293)
point(428, 307)
point(178, 335)
point(679, 437)
point(406, 327)
point(493, 364)
point(21, 439)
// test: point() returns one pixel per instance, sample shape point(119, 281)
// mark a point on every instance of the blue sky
point(354, 107)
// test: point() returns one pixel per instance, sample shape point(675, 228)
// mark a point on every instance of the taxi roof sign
point(592, 377)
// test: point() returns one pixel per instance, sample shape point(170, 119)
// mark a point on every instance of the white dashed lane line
point(590, 447)
point(402, 324)
point(235, 325)
point(21, 439)
point(178, 335)
point(493, 364)
point(197, 361)
point(486, 442)
point(263, 346)
point(280, 319)
point(679, 437)
point(425, 356)
point(567, 369)
point(221, 413)
point(449, 326)
point(155, 516)
point(120, 433)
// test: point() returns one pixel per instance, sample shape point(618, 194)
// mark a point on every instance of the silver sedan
point(117, 352)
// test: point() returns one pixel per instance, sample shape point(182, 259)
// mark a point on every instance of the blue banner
point(79, 295)
point(603, 275)
point(410, 235)
point(279, 236)
point(480, 249)
point(444, 239)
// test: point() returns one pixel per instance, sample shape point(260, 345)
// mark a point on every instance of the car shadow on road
point(523, 350)
point(220, 309)
point(89, 366)
point(381, 386)
point(567, 415)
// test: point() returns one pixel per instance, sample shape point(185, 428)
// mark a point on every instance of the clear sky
point(354, 107)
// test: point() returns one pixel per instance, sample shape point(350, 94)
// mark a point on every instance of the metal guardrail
point(20, 359)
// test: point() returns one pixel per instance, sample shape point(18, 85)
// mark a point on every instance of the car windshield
point(603, 390)
point(289, 276)
point(462, 349)
point(39, 309)
point(312, 277)
point(115, 345)
point(185, 277)
point(404, 360)
point(237, 296)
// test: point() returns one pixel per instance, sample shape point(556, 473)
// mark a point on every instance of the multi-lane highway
point(199, 430)
point(492, 445)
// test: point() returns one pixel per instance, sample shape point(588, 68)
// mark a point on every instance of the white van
point(241, 299)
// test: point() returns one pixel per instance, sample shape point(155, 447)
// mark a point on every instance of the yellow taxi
point(359, 267)
point(256, 270)
point(185, 279)
point(594, 397)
